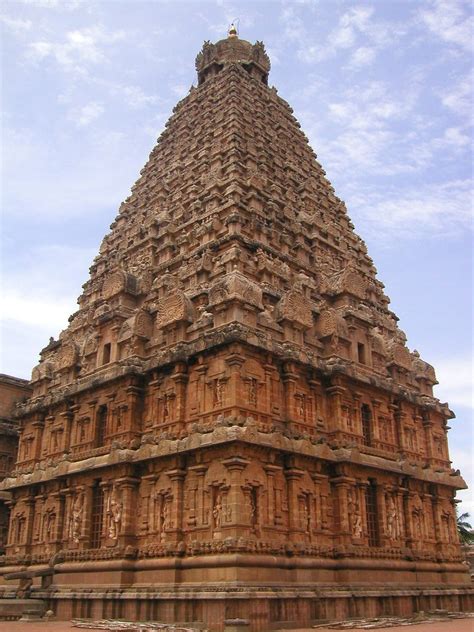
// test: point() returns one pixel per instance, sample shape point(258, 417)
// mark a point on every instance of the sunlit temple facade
point(232, 425)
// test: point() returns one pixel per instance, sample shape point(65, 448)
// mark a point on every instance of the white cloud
point(68, 5)
point(16, 25)
point(417, 212)
point(362, 57)
point(358, 23)
point(459, 97)
point(42, 180)
point(454, 137)
point(293, 25)
point(451, 21)
point(456, 381)
point(366, 138)
point(136, 98)
point(41, 291)
point(84, 115)
point(79, 47)
point(40, 312)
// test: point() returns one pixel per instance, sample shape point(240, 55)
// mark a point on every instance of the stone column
point(407, 517)
point(335, 399)
point(293, 475)
point(319, 509)
point(234, 361)
point(376, 431)
point(200, 474)
point(127, 486)
point(268, 403)
point(68, 418)
point(381, 514)
point(427, 428)
point(86, 534)
point(134, 400)
point(399, 417)
point(314, 386)
point(289, 382)
point(177, 476)
point(64, 535)
point(271, 471)
point(341, 485)
point(361, 487)
point(235, 466)
point(180, 378)
point(30, 512)
point(435, 506)
point(61, 497)
point(147, 519)
point(38, 425)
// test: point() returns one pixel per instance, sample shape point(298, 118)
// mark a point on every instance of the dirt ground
point(457, 625)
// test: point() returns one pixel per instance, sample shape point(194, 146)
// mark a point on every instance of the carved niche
point(235, 286)
point(67, 355)
point(349, 281)
point(175, 307)
point(295, 308)
point(119, 281)
point(399, 355)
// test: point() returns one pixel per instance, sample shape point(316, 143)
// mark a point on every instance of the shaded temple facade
point(232, 423)
point(12, 391)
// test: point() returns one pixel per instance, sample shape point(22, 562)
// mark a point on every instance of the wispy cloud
point(41, 182)
point(458, 97)
point(451, 21)
point(64, 5)
point(456, 381)
point(441, 209)
point(356, 27)
point(16, 25)
point(84, 115)
point(362, 57)
point(79, 48)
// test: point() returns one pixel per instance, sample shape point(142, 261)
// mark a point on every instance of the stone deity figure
point(114, 515)
point(166, 515)
point(217, 512)
point(355, 518)
point(75, 523)
point(392, 522)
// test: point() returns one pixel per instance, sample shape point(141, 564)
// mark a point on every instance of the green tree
point(466, 534)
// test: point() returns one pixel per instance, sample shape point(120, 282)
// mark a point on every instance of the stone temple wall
point(232, 423)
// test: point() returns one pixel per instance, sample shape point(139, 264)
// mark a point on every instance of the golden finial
point(232, 32)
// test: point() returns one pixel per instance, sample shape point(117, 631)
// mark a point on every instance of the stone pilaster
point(235, 466)
point(177, 477)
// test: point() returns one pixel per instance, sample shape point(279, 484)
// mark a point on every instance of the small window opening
point(366, 417)
point(361, 353)
point(106, 354)
point(97, 516)
point(101, 426)
point(372, 514)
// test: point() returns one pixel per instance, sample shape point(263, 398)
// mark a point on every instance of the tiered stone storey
point(232, 424)
point(12, 391)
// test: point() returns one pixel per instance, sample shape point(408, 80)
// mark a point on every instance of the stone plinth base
point(264, 609)
point(24, 609)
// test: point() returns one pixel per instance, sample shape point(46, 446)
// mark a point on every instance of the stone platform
point(14, 609)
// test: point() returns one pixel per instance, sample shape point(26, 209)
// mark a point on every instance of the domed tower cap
point(232, 32)
point(232, 50)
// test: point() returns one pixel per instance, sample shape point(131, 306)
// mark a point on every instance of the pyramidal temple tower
point(232, 425)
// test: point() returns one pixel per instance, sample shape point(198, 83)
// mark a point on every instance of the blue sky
point(383, 90)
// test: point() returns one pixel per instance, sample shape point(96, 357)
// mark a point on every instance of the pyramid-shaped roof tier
point(232, 425)
point(232, 231)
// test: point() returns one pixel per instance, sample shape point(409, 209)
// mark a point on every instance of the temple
point(232, 425)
